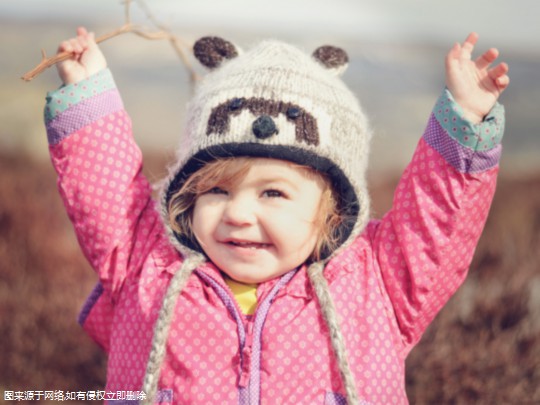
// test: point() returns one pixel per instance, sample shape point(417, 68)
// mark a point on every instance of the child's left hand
point(474, 84)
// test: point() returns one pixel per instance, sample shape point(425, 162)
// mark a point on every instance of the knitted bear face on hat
point(275, 101)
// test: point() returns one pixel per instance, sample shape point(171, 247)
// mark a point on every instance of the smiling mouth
point(248, 245)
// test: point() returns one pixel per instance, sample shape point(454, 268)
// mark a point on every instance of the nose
point(264, 127)
point(240, 211)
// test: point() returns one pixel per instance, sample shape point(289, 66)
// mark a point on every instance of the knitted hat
point(277, 102)
point(273, 101)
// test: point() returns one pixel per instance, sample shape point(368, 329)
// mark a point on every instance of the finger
point(487, 58)
point(453, 54)
point(91, 39)
point(469, 43)
point(82, 32)
point(502, 82)
point(70, 45)
point(498, 71)
point(83, 41)
point(455, 51)
point(83, 35)
point(76, 45)
point(65, 46)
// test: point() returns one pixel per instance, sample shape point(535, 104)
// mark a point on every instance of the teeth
point(252, 245)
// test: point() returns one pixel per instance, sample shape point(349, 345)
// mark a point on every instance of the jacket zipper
point(249, 335)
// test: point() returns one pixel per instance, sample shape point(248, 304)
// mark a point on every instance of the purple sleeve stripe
point(90, 302)
point(333, 398)
point(83, 114)
point(462, 158)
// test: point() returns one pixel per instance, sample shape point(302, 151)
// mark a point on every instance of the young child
point(258, 277)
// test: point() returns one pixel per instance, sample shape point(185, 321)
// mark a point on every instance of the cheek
point(311, 221)
point(296, 226)
point(308, 214)
point(201, 219)
point(195, 222)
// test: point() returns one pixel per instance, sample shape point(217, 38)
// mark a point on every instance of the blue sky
point(501, 21)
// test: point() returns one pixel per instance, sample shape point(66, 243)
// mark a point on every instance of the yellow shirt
point(245, 295)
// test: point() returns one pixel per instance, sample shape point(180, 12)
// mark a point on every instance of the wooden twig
point(48, 62)
point(175, 42)
point(163, 33)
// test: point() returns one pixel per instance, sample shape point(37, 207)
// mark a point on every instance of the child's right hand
point(87, 58)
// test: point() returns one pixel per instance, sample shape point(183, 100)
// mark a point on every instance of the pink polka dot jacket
point(387, 286)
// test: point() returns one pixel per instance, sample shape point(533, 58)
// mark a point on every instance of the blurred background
point(483, 348)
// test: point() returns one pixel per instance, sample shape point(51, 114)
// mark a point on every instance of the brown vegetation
point(484, 347)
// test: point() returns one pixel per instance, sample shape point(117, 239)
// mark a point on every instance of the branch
point(163, 33)
point(175, 42)
point(48, 62)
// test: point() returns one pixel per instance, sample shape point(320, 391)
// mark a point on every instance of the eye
point(216, 190)
point(273, 193)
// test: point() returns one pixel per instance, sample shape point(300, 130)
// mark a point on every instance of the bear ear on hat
point(333, 58)
point(212, 51)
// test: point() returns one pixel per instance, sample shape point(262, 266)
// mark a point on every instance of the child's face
point(262, 226)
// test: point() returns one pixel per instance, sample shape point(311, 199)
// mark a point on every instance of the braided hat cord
point(320, 286)
point(163, 323)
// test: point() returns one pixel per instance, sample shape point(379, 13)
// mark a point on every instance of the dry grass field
point(483, 348)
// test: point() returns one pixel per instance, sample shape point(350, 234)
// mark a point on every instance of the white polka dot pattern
point(387, 286)
point(107, 197)
point(427, 241)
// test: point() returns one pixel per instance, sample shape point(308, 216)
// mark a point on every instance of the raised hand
point(87, 58)
point(475, 84)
